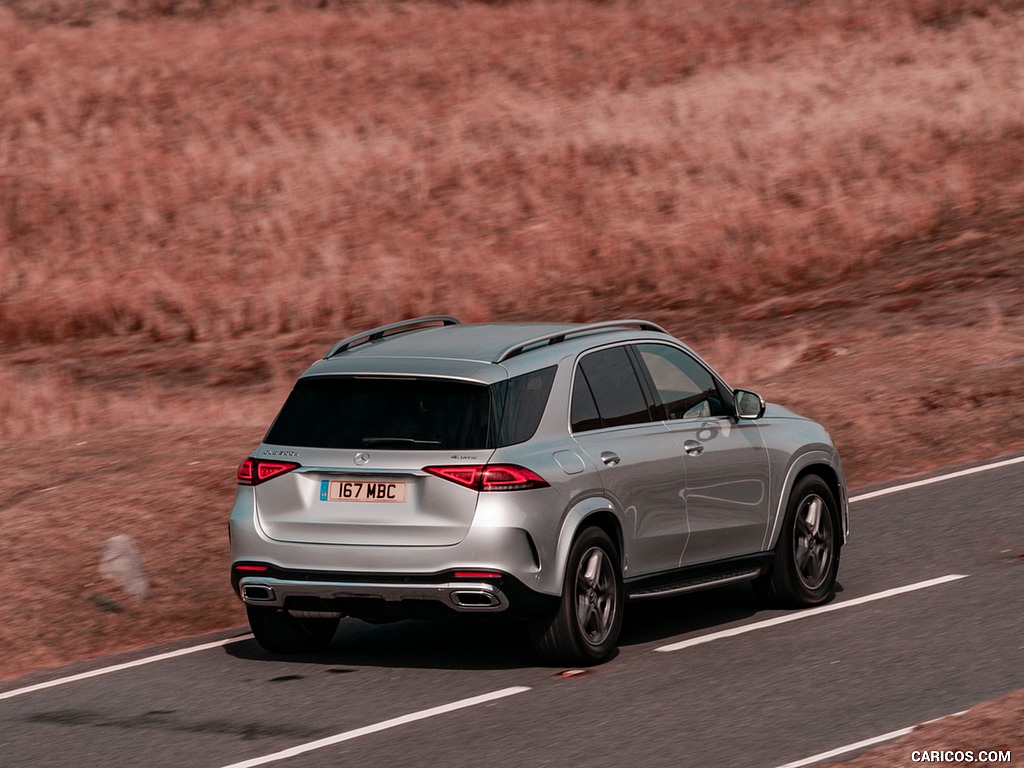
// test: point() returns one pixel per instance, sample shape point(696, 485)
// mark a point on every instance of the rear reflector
point(477, 575)
point(257, 568)
point(490, 477)
point(255, 471)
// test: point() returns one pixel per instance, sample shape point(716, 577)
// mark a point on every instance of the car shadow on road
point(668, 618)
point(496, 644)
point(677, 618)
point(469, 644)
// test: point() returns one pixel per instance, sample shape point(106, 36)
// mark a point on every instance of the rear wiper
point(385, 441)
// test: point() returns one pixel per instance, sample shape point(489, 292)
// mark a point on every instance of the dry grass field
point(265, 172)
point(198, 196)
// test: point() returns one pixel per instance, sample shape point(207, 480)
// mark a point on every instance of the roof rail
point(559, 336)
point(376, 334)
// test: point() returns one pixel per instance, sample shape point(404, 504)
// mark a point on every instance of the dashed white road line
point(301, 749)
point(807, 613)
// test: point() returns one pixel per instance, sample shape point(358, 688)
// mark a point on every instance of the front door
point(726, 462)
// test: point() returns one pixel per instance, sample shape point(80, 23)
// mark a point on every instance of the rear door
point(637, 458)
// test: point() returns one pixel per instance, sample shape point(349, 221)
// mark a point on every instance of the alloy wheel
point(595, 596)
point(814, 543)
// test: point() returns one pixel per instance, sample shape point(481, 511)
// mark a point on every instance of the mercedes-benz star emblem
point(362, 458)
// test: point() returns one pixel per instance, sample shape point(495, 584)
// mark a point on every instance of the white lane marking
point(119, 667)
point(796, 616)
point(939, 479)
point(860, 744)
point(284, 754)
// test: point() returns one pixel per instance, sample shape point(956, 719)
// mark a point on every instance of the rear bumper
point(381, 596)
point(469, 597)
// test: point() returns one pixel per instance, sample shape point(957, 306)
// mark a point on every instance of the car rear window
point(410, 413)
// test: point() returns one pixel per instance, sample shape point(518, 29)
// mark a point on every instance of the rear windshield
point(411, 414)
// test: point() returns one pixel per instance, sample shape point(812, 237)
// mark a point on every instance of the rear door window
point(614, 391)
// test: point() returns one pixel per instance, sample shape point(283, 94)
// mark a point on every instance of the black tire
point(280, 632)
point(807, 553)
point(585, 630)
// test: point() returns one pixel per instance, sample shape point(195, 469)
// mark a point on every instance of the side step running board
point(697, 584)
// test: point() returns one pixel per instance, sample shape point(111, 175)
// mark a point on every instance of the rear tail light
point(490, 477)
point(255, 471)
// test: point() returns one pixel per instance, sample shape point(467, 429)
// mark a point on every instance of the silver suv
point(542, 472)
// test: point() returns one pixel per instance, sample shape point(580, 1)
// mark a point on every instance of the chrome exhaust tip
point(475, 598)
point(257, 593)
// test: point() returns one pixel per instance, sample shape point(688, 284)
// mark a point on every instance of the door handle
point(693, 448)
point(609, 458)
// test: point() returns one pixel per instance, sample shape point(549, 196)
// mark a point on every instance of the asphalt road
point(418, 693)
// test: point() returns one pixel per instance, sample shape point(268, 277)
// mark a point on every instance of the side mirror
point(749, 405)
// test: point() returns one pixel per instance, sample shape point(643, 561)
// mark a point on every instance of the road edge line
point(939, 479)
point(890, 736)
point(120, 667)
point(849, 748)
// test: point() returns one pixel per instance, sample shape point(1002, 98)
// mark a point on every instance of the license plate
point(362, 490)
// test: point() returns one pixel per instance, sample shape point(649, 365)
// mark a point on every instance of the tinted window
point(685, 388)
point(583, 414)
point(525, 400)
point(412, 414)
point(615, 387)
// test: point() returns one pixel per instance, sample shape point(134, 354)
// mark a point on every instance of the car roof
point(472, 351)
point(480, 342)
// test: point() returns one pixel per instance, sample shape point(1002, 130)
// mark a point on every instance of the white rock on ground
point(121, 562)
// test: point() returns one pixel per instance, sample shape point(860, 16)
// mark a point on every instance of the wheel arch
point(813, 463)
point(593, 512)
